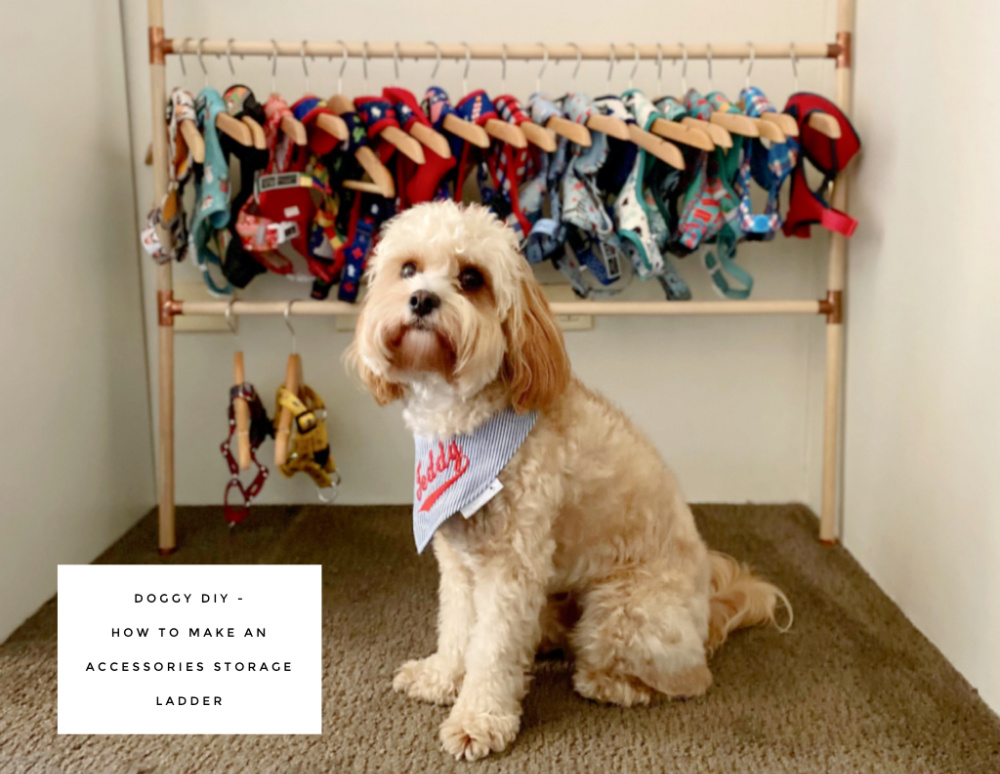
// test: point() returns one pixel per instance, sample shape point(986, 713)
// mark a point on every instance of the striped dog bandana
point(456, 474)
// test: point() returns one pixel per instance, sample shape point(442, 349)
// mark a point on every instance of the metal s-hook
point(229, 56)
point(437, 58)
point(180, 56)
point(274, 66)
point(229, 315)
point(201, 63)
point(288, 324)
point(364, 63)
point(302, 55)
point(753, 56)
point(503, 68)
point(635, 64)
point(579, 59)
point(465, 73)
point(545, 63)
point(708, 58)
point(343, 66)
point(684, 68)
point(795, 64)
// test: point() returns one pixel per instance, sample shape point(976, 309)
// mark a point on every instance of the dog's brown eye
point(408, 270)
point(470, 278)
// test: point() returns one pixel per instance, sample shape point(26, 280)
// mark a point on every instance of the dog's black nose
point(423, 302)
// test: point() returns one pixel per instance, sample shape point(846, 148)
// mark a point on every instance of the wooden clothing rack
point(830, 307)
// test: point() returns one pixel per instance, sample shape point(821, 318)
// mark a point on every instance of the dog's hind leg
point(641, 630)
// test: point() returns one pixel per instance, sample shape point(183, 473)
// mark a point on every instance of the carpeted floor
point(852, 688)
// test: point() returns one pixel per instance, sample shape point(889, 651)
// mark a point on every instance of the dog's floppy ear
point(382, 389)
point(536, 366)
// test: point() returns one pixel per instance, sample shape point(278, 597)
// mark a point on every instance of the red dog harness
point(829, 156)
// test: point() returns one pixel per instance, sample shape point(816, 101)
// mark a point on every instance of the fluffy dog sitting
point(589, 546)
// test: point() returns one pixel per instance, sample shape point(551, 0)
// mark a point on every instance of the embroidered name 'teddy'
point(459, 474)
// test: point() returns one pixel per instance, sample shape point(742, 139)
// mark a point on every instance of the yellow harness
point(308, 447)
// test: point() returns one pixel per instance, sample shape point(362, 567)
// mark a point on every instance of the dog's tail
point(740, 599)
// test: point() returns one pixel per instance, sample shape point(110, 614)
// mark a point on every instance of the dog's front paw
point(472, 735)
point(428, 679)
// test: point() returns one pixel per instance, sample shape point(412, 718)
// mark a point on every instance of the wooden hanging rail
point(218, 47)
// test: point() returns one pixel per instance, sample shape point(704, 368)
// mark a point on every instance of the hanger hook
point(635, 63)
point(288, 323)
point(465, 73)
point(684, 67)
point(437, 58)
point(229, 55)
point(364, 62)
point(229, 315)
point(545, 63)
point(201, 63)
point(503, 68)
point(611, 61)
point(274, 66)
point(579, 59)
point(302, 55)
point(343, 66)
point(395, 59)
point(795, 64)
point(708, 59)
point(180, 55)
point(659, 68)
point(753, 57)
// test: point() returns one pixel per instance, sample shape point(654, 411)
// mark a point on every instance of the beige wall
point(732, 403)
point(76, 463)
point(922, 501)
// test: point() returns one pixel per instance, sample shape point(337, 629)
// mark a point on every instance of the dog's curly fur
point(589, 547)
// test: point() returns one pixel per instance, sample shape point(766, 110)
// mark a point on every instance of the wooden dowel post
point(837, 272)
point(164, 288)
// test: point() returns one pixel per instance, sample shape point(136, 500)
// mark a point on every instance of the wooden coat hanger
point(325, 122)
point(425, 134)
point(195, 142)
point(242, 408)
point(224, 122)
point(293, 382)
point(768, 129)
point(290, 125)
point(733, 123)
point(823, 123)
point(674, 130)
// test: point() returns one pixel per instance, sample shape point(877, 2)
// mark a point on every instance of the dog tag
point(491, 491)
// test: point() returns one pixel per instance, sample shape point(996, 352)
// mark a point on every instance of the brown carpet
point(852, 688)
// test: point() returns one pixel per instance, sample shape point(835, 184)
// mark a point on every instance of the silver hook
point(302, 55)
point(364, 63)
point(579, 59)
point(503, 68)
point(437, 58)
point(611, 61)
point(288, 324)
point(659, 68)
point(229, 57)
point(545, 63)
point(795, 64)
point(708, 58)
point(201, 63)
point(180, 56)
point(395, 59)
point(753, 56)
point(343, 66)
point(635, 64)
point(274, 66)
point(229, 315)
point(684, 68)
point(465, 74)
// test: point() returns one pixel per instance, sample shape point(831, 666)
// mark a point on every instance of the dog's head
point(450, 297)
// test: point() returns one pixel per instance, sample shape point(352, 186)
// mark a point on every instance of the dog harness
point(211, 212)
point(168, 216)
point(420, 181)
point(829, 157)
point(260, 429)
point(308, 447)
point(455, 474)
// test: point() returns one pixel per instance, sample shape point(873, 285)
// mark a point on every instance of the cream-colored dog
point(589, 546)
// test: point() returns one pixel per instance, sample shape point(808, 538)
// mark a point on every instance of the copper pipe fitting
point(843, 49)
point(832, 306)
point(156, 46)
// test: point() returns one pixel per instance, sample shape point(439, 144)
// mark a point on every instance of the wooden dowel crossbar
point(596, 308)
point(456, 51)
point(168, 308)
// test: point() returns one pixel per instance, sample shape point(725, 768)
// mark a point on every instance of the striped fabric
point(450, 473)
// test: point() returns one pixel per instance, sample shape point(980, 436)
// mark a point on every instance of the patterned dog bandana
point(453, 474)
point(211, 193)
point(169, 216)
